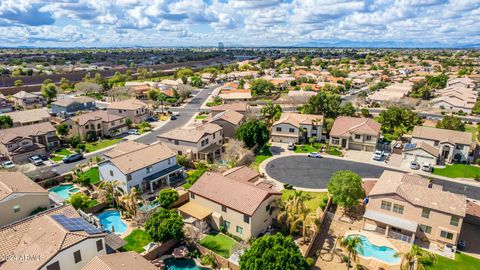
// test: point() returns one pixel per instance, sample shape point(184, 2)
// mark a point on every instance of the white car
point(291, 146)
point(133, 132)
point(36, 160)
point(426, 167)
point(378, 155)
point(314, 155)
point(8, 164)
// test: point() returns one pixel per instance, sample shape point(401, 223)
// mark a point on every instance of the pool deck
point(374, 238)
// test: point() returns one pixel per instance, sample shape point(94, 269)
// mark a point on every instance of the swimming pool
point(62, 191)
point(182, 264)
point(110, 219)
point(381, 253)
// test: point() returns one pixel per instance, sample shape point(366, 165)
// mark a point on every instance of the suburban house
point(459, 95)
point(392, 92)
point(355, 133)
point(52, 240)
point(232, 200)
point(100, 123)
point(433, 145)
point(20, 143)
point(201, 142)
point(296, 127)
point(120, 261)
point(407, 206)
point(5, 105)
point(29, 117)
point(70, 106)
point(28, 100)
point(19, 197)
point(463, 82)
point(145, 167)
point(134, 109)
point(229, 120)
point(240, 107)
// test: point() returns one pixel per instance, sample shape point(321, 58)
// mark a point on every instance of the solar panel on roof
point(76, 224)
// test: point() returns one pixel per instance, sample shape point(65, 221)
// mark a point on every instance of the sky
point(157, 23)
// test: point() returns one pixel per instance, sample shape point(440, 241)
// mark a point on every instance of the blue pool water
point(382, 253)
point(183, 264)
point(62, 191)
point(112, 218)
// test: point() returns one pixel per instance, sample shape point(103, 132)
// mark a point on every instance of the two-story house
point(201, 142)
point(355, 133)
point(146, 167)
point(296, 128)
point(240, 107)
point(70, 106)
point(20, 143)
point(232, 201)
point(229, 120)
point(5, 105)
point(29, 117)
point(99, 123)
point(407, 206)
point(433, 145)
point(28, 100)
point(19, 197)
point(134, 109)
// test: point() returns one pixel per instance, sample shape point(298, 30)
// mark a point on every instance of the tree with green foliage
point(417, 259)
point(325, 103)
point(365, 112)
point(65, 84)
point(345, 187)
point(18, 83)
point(184, 72)
point(162, 98)
point(351, 244)
point(261, 86)
point(49, 91)
point(452, 123)
point(166, 197)
point(271, 112)
point(423, 89)
point(128, 122)
point(273, 252)
point(152, 94)
point(75, 141)
point(196, 81)
point(476, 107)
point(79, 201)
point(62, 129)
point(347, 109)
point(253, 132)
point(396, 121)
point(5, 121)
point(165, 225)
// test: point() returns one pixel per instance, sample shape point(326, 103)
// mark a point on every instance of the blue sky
point(239, 22)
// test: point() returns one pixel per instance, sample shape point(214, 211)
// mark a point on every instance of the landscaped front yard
point(474, 130)
point(219, 243)
point(316, 198)
point(94, 146)
point(307, 148)
point(60, 154)
point(93, 175)
point(461, 261)
point(136, 240)
point(263, 154)
point(458, 171)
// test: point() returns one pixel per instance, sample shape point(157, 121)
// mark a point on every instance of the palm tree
point(412, 259)
point(130, 202)
point(111, 188)
point(351, 244)
point(161, 98)
point(294, 212)
point(305, 218)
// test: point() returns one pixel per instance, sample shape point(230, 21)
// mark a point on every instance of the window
point(335, 141)
point(70, 126)
point(435, 143)
point(179, 153)
point(226, 224)
point(192, 195)
point(425, 229)
point(149, 169)
point(447, 235)
point(16, 208)
point(459, 147)
point(386, 205)
point(239, 230)
point(454, 221)
point(86, 127)
point(54, 266)
point(111, 173)
point(77, 256)
point(99, 245)
point(99, 126)
point(398, 208)
point(314, 127)
point(425, 213)
point(169, 162)
point(119, 111)
point(369, 138)
point(246, 218)
point(224, 208)
point(278, 129)
point(176, 142)
point(291, 130)
point(129, 177)
point(357, 136)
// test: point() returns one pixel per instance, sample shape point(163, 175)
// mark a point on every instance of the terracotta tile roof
point(26, 131)
point(12, 182)
point(192, 134)
point(242, 173)
point(124, 148)
point(229, 116)
point(33, 115)
point(238, 195)
point(418, 191)
point(432, 150)
point(129, 104)
point(119, 261)
point(439, 134)
point(344, 126)
point(297, 119)
point(104, 116)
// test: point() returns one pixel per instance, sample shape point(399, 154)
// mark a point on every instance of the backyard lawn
point(136, 240)
point(472, 129)
point(461, 261)
point(219, 243)
point(316, 198)
point(94, 146)
point(261, 156)
point(458, 171)
point(92, 174)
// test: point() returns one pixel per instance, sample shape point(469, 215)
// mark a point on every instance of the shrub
point(75, 141)
point(310, 261)
point(91, 136)
point(209, 259)
point(81, 147)
point(166, 197)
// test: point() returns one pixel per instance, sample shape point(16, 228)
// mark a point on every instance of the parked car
point(173, 117)
point(378, 155)
point(133, 132)
point(151, 119)
point(72, 158)
point(414, 165)
point(314, 155)
point(461, 245)
point(8, 164)
point(426, 167)
point(36, 160)
point(291, 146)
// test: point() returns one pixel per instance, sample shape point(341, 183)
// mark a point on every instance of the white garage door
point(355, 146)
point(419, 158)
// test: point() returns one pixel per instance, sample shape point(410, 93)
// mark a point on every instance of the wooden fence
point(221, 261)
point(317, 232)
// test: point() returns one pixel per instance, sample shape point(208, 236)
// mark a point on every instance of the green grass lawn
point(313, 203)
point(458, 171)
point(261, 156)
point(334, 151)
point(305, 148)
point(200, 117)
point(472, 129)
point(461, 261)
point(60, 154)
point(92, 173)
point(219, 243)
point(94, 146)
point(136, 240)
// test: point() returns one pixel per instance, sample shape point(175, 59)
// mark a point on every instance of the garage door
point(283, 139)
point(369, 148)
point(355, 146)
point(420, 159)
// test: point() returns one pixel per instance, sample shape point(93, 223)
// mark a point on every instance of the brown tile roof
point(238, 195)
point(297, 119)
point(242, 173)
point(119, 261)
point(23, 94)
point(439, 134)
point(229, 116)
point(33, 115)
point(473, 209)
point(124, 148)
point(9, 134)
point(191, 134)
point(237, 106)
point(129, 104)
point(141, 158)
point(418, 191)
point(12, 182)
point(344, 126)
point(432, 150)
point(104, 116)
point(69, 101)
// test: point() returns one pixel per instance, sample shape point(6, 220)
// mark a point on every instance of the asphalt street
point(305, 172)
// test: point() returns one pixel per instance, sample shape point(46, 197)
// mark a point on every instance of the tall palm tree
point(305, 218)
point(412, 259)
point(351, 244)
point(129, 202)
point(161, 98)
point(111, 188)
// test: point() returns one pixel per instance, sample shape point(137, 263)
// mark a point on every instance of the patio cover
point(212, 148)
point(391, 220)
point(195, 210)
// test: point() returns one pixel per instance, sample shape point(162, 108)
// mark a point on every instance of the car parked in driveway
point(72, 158)
point(426, 167)
point(414, 165)
point(133, 132)
point(8, 164)
point(291, 146)
point(36, 160)
point(378, 155)
point(314, 155)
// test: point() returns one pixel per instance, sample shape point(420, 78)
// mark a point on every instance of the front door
point(344, 143)
point(445, 152)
